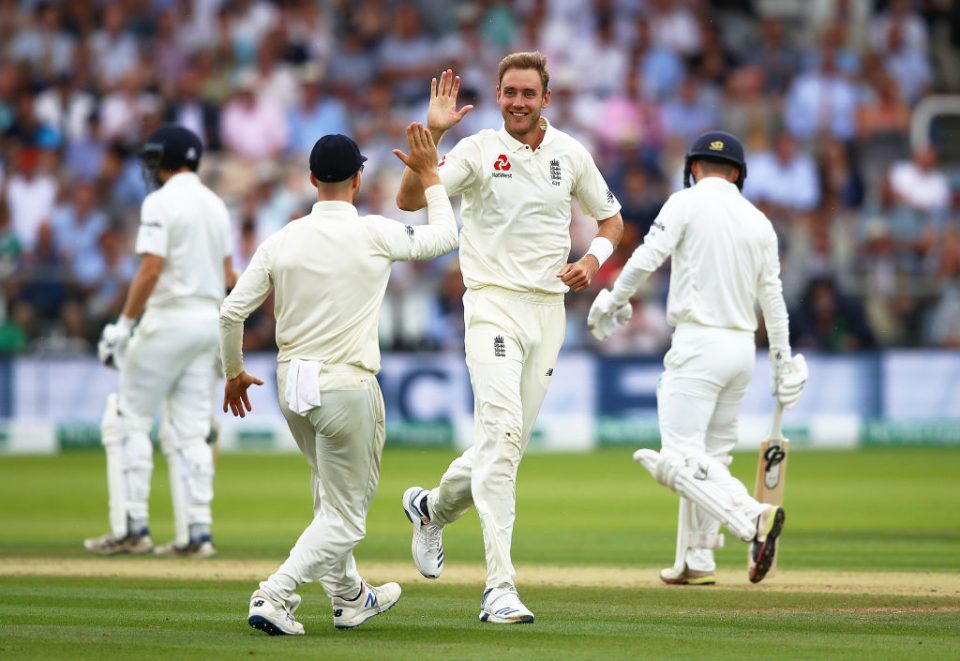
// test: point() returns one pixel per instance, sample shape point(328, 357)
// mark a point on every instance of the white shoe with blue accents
point(503, 606)
point(349, 613)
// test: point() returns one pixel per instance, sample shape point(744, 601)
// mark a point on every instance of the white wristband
point(601, 248)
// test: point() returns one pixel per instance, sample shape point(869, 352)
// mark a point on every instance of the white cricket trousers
point(342, 440)
point(170, 359)
point(707, 371)
point(512, 341)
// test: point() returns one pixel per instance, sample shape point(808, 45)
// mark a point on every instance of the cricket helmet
point(171, 147)
point(716, 146)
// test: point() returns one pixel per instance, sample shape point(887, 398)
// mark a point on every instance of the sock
point(199, 531)
point(137, 526)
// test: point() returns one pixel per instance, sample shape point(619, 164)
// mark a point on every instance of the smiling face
point(521, 98)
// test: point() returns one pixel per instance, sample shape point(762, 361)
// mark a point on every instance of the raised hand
point(442, 113)
point(423, 151)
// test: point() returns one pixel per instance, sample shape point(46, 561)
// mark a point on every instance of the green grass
point(871, 510)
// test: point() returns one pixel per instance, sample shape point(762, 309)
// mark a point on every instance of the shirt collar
point(183, 177)
point(515, 145)
point(327, 207)
point(715, 182)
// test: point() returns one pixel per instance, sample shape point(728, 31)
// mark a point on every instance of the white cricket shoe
point(427, 543)
point(764, 545)
point(110, 545)
point(350, 613)
point(503, 606)
point(272, 617)
point(196, 548)
point(687, 576)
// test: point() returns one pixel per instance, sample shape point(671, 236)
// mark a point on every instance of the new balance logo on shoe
point(338, 612)
point(371, 600)
point(499, 347)
point(258, 603)
point(550, 372)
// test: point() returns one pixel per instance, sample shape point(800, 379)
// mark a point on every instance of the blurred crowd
point(824, 94)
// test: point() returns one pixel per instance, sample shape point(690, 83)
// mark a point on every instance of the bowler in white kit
point(185, 266)
point(517, 185)
point(725, 262)
point(329, 272)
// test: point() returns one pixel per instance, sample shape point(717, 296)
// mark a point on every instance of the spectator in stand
point(910, 68)
point(822, 101)
point(775, 57)
point(188, 108)
point(784, 179)
point(921, 185)
point(900, 15)
point(78, 225)
point(31, 197)
point(276, 79)
point(44, 45)
point(661, 70)
point(693, 111)
point(827, 320)
point(883, 126)
point(124, 110)
point(114, 48)
point(406, 56)
point(317, 113)
point(42, 282)
point(252, 127)
point(64, 107)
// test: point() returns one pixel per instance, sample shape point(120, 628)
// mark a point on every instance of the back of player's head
point(718, 147)
point(526, 60)
point(172, 147)
point(335, 158)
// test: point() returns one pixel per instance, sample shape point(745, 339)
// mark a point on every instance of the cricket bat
point(772, 470)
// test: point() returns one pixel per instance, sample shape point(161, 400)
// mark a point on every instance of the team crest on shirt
point(501, 167)
point(555, 172)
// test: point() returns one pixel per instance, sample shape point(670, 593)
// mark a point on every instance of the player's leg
point(699, 367)
point(189, 457)
point(544, 326)
point(348, 431)
point(125, 434)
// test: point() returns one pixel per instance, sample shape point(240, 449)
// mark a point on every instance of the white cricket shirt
point(725, 260)
point(329, 272)
point(188, 225)
point(516, 206)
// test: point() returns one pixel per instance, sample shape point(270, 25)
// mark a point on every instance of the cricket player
point(329, 271)
point(517, 185)
point(725, 261)
point(185, 266)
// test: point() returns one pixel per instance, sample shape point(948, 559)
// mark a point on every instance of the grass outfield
point(590, 530)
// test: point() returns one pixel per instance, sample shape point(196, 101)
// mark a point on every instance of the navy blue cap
point(335, 158)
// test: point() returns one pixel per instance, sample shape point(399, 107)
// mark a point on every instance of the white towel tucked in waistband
point(302, 390)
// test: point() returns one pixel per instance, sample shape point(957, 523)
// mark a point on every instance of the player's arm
point(579, 274)
point(229, 275)
point(440, 235)
point(789, 372)
point(144, 281)
point(442, 115)
point(252, 287)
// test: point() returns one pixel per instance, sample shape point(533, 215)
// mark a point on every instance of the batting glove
point(113, 341)
point(606, 314)
point(789, 376)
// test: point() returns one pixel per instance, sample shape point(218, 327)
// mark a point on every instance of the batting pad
point(694, 483)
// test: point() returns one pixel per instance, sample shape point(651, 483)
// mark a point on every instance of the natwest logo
point(501, 167)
